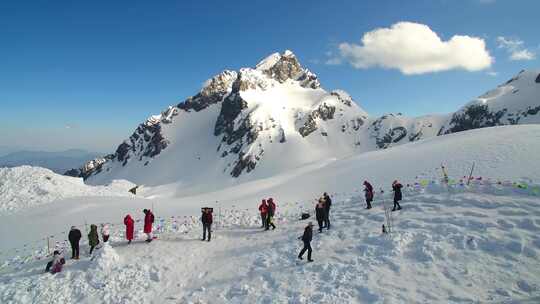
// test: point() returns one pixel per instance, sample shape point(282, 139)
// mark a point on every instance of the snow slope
point(24, 187)
point(504, 153)
point(446, 248)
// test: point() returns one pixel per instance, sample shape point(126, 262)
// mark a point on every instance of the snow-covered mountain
point(258, 122)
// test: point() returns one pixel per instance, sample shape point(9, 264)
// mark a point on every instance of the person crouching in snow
point(148, 221)
point(396, 187)
point(206, 219)
point(105, 232)
point(320, 211)
point(263, 209)
point(56, 264)
point(368, 189)
point(74, 237)
point(306, 238)
point(93, 238)
point(130, 227)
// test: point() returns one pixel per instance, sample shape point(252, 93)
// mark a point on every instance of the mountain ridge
point(252, 116)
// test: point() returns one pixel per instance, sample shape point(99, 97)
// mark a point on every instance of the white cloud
point(492, 73)
point(515, 48)
point(414, 48)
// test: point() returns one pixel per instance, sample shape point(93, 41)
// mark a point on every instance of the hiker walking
point(271, 213)
point(327, 205)
point(396, 187)
point(263, 209)
point(306, 238)
point(148, 221)
point(320, 213)
point(368, 189)
point(130, 227)
point(206, 219)
point(74, 237)
point(93, 238)
point(105, 232)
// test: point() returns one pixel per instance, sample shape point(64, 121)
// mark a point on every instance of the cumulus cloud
point(414, 48)
point(515, 48)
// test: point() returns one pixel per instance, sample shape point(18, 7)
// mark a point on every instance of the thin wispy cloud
point(414, 48)
point(515, 48)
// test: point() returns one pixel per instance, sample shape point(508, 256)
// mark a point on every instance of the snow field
point(447, 247)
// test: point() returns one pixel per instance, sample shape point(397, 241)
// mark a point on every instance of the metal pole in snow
point(470, 175)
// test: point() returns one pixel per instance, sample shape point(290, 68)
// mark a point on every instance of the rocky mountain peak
point(283, 67)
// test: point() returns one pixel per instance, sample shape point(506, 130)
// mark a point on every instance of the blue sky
point(83, 74)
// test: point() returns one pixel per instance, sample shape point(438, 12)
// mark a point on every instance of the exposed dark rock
point(73, 172)
point(243, 162)
point(213, 92)
point(288, 67)
point(473, 117)
point(537, 79)
point(324, 112)
point(393, 136)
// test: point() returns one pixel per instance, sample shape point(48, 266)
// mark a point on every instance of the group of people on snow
point(322, 211)
point(267, 209)
point(396, 188)
point(75, 235)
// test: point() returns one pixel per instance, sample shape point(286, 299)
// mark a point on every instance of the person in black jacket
point(320, 213)
point(368, 189)
point(306, 238)
point(327, 205)
point(206, 220)
point(74, 237)
point(396, 187)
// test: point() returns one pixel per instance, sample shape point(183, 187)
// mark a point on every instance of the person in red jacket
point(369, 194)
point(206, 219)
point(271, 213)
point(148, 221)
point(263, 209)
point(130, 226)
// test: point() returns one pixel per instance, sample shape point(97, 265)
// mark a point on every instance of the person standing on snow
point(74, 237)
point(263, 209)
point(206, 219)
point(271, 213)
point(320, 213)
point(327, 205)
point(148, 221)
point(368, 189)
point(105, 232)
point(93, 238)
point(396, 187)
point(130, 227)
point(306, 238)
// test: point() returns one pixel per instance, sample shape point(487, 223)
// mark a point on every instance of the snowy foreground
point(447, 248)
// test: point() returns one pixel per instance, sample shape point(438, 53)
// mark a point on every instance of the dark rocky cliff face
point(214, 91)
point(288, 67)
point(324, 112)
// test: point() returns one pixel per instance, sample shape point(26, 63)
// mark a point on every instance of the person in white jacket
point(105, 232)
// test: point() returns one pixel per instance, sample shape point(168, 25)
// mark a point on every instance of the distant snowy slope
point(515, 102)
point(23, 187)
